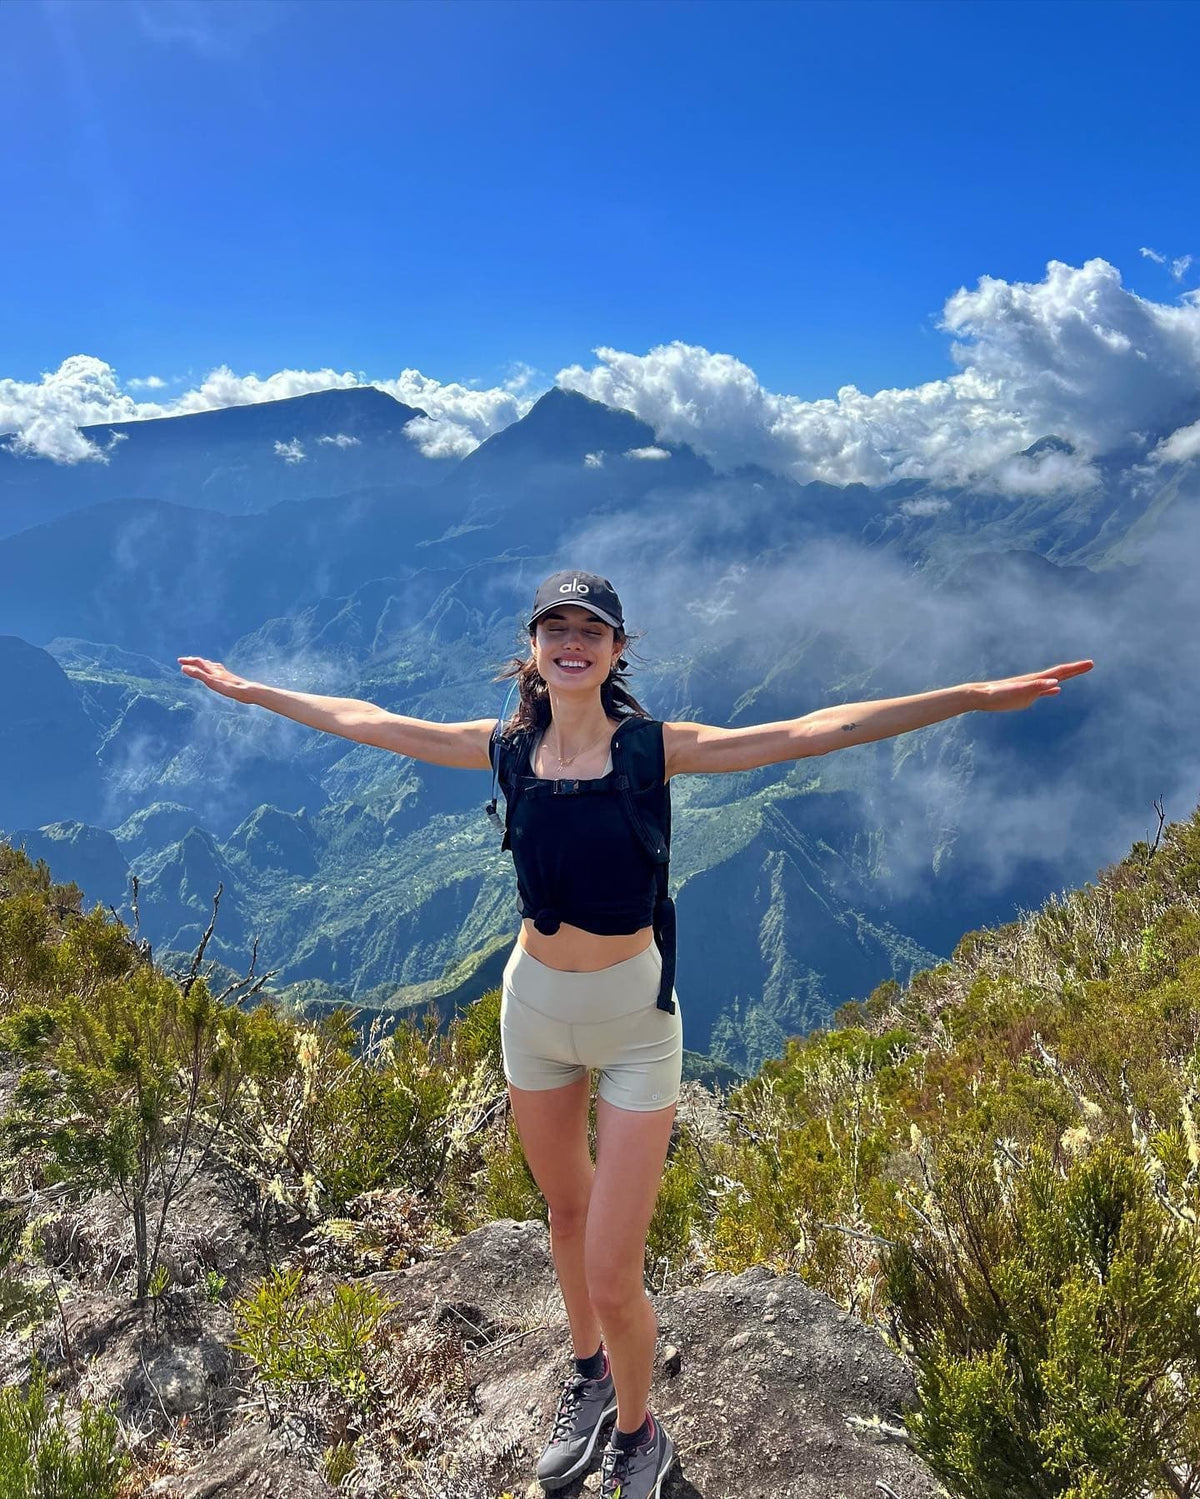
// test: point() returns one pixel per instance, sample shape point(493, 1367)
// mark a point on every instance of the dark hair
point(533, 702)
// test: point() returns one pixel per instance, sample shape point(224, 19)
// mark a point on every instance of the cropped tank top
point(577, 858)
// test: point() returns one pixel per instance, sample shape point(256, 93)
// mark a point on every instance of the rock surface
point(253, 1463)
point(767, 1387)
point(764, 1373)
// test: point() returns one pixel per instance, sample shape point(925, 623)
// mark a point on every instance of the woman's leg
point(552, 1125)
point(631, 1148)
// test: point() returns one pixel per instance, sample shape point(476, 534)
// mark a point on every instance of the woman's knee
point(614, 1287)
point(568, 1215)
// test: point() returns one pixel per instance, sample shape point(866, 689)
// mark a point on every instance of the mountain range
point(368, 570)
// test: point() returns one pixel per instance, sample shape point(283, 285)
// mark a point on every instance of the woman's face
point(573, 650)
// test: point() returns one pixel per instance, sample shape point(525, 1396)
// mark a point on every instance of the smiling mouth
point(571, 663)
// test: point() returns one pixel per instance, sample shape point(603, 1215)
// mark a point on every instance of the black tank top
point(577, 858)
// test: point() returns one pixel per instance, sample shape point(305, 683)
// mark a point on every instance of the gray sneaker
point(638, 1474)
point(583, 1405)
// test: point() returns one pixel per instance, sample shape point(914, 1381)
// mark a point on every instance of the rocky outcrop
point(769, 1389)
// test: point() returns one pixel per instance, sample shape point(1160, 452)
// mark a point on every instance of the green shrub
point(323, 1117)
point(477, 1029)
point(503, 1186)
point(677, 1208)
point(39, 1460)
point(1052, 1316)
point(295, 1341)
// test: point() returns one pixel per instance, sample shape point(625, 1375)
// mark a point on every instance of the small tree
point(125, 1092)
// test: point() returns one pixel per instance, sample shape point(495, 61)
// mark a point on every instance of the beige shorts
point(555, 1026)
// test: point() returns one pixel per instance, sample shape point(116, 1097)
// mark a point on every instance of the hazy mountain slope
point(333, 441)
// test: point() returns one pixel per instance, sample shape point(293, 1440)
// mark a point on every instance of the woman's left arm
point(705, 749)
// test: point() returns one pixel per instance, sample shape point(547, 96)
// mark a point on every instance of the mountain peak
point(565, 425)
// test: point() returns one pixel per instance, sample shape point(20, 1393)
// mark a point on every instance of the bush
point(1052, 1317)
point(293, 1341)
point(324, 1116)
point(38, 1460)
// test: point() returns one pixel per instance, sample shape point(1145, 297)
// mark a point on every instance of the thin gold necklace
point(562, 764)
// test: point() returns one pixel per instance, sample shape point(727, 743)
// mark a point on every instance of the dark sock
point(628, 1440)
point(592, 1368)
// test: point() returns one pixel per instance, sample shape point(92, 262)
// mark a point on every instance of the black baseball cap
point(587, 589)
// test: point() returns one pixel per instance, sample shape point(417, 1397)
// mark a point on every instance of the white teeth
point(572, 665)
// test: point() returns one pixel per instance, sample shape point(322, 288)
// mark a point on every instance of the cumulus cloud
point(653, 454)
point(1075, 355)
point(45, 417)
point(457, 418)
point(290, 452)
point(340, 440)
point(151, 382)
point(593, 460)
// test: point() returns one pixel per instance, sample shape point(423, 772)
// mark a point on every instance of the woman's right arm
point(463, 745)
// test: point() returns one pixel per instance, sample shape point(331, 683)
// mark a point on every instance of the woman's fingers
point(214, 675)
point(1021, 691)
point(1067, 669)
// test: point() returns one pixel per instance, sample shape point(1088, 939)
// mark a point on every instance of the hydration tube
point(490, 807)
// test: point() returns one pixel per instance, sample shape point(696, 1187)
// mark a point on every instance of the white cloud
point(523, 377)
point(922, 507)
point(217, 33)
point(290, 452)
point(594, 460)
point(1181, 446)
point(151, 382)
point(45, 416)
point(653, 454)
point(457, 418)
point(1177, 265)
point(1075, 354)
point(340, 440)
point(221, 387)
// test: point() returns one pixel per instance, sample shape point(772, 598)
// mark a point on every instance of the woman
point(586, 993)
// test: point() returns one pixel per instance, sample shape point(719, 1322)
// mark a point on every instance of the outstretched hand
point(214, 675)
point(1019, 692)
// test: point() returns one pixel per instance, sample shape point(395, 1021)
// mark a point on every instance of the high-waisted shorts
point(555, 1025)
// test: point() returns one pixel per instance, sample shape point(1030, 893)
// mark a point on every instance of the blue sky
point(466, 187)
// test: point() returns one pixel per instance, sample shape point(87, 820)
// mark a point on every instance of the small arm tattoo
point(846, 727)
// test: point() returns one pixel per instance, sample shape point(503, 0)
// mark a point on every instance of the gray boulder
point(769, 1389)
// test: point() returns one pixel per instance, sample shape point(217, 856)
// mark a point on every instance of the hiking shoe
point(637, 1474)
point(583, 1405)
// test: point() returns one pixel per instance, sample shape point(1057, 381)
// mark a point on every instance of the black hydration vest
point(643, 793)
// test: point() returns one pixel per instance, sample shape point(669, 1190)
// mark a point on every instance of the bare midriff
point(573, 950)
